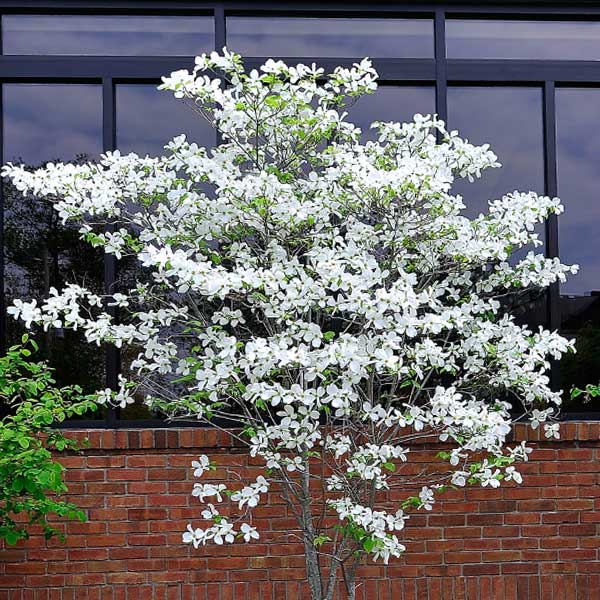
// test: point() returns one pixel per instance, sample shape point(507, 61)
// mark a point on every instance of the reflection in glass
point(105, 35)
point(137, 106)
point(391, 103)
point(510, 120)
point(330, 37)
point(577, 113)
point(508, 39)
point(50, 122)
point(140, 105)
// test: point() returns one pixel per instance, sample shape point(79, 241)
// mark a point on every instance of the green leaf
point(320, 540)
point(11, 537)
point(368, 544)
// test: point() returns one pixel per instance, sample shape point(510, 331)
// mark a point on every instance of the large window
point(525, 80)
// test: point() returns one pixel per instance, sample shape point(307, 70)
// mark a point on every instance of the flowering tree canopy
point(326, 295)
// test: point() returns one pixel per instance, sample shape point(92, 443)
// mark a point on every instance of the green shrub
point(31, 482)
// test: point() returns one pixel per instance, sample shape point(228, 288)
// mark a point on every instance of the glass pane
point(510, 120)
point(502, 39)
point(578, 147)
point(140, 105)
point(169, 117)
point(50, 122)
point(106, 35)
point(330, 37)
point(391, 103)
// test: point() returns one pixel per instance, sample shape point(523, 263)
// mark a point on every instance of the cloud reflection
point(147, 119)
point(331, 37)
point(105, 35)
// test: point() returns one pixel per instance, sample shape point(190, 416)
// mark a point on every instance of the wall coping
point(178, 438)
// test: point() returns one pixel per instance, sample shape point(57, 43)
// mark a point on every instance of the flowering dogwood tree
point(327, 296)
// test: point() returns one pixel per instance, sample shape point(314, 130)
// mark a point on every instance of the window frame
point(439, 71)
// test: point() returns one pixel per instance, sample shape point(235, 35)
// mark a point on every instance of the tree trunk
point(311, 556)
point(313, 571)
point(350, 579)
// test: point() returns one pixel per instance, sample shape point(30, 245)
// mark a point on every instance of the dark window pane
point(45, 122)
point(510, 120)
point(578, 147)
point(502, 39)
point(147, 119)
point(137, 106)
point(330, 37)
point(391, 103)
point(50, 122)
point(106, 35)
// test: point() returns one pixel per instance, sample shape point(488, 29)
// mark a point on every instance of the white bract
point(328, 295)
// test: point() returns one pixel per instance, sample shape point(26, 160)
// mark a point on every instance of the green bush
point(31, 482)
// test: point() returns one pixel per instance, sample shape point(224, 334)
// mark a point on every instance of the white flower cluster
point(222, 531)
point(377, 524)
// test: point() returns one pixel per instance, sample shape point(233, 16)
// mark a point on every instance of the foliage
point(590, 391)
point(30, 480)
point(328, 295)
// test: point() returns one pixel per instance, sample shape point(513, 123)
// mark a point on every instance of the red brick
point(577, 554)
point(579, 530)
point(146, 514)
point(146, 460)
point(481, 570)
point(519, 567)
point(561, 517)
point(88, 554)
point(462, 557)
point(522, 518)
point(126, 475)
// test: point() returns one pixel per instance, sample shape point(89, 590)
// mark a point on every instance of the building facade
point(79, 77)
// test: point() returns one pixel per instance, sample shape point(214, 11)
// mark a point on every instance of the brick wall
point(535, 541)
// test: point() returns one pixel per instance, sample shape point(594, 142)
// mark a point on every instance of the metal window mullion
point(551, 185)
point(220, 42)
point(441, 79)
point(220, 27)
point(112, 355)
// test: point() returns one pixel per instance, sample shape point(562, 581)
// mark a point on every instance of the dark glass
point(106, 35)
point(391, 103)
point(138, 106)
point(578, 147)
point(45, 122)
point(510, 120)
point(508, 39)
point(330, 37)
point(147, 119)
